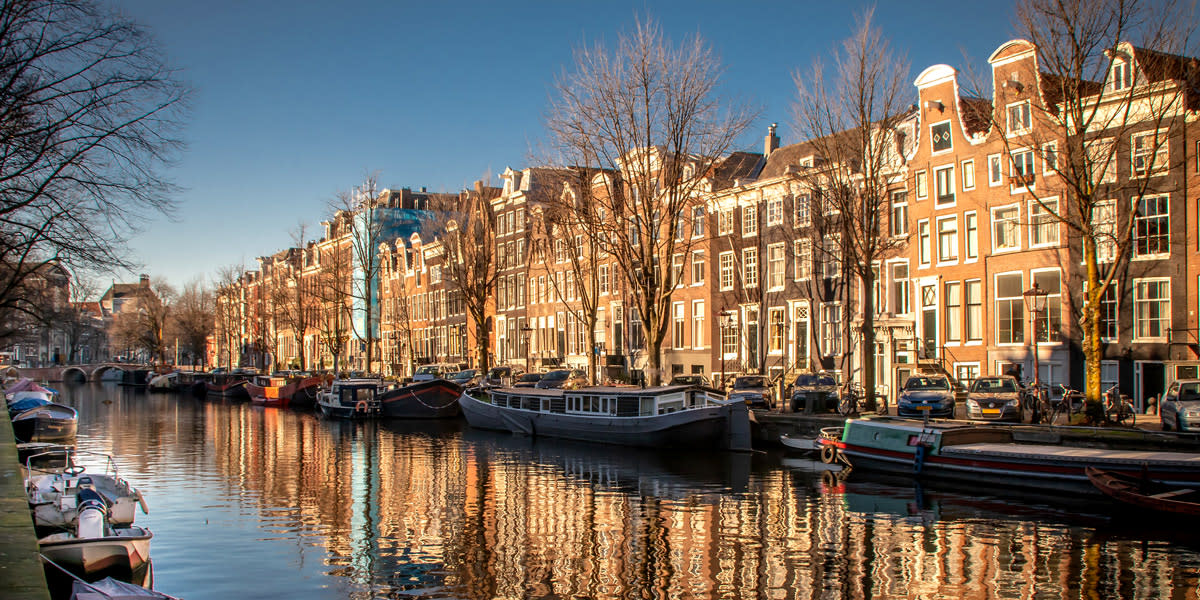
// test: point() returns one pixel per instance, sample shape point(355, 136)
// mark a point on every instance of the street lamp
point(526, 330)
point(1035, 303)
point(725, 316)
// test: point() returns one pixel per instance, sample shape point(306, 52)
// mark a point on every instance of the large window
point(697, 324)
point(954, 313)
point(1020, 117)
point(749, 267)
point(775, 265)
point(1122, 76)
point(971, 234)
point(923, 242)
point(1100, 160)
point(947, 239)
point(995, 170)
point(900, 299)
point(1104, 230)
point(677, 269)
point(831, 257)
point(774, 211)
point(898, 222)
point(725, 222)
point(697, 221)
point(968, 175)
point(729, 338)
point(1108, 314)
point(775, 329)
point(1152, 228)
point(678, 324)
point(750, 219)
point(1050, 321)
point(1022, 173)
point(802, 216)
point(1043, 225)
point(1006, 233)
point(1010, 309)
point(726, 267)
point(974, 295)
point(1149, 152)
point(699, 267)
point(1151, 309)
point(803, 251)
point(831, 320)
point(944, 184)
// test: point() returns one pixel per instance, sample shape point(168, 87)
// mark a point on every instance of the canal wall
point(21, 573)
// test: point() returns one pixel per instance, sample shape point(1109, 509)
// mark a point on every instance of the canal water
point(253, 502)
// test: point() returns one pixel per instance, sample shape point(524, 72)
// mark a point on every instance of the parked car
point(693, 379)
point(754, 390)
point(565, 379)
point(996, 397)
point(501, 375)
point(814, 392)
point(466, 377)
point(926, 394)
point(528, 380)
point(1179, 409)
point(435, 371)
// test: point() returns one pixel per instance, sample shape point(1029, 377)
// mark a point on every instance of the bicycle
point(1071, 402)
point(853, 401)
point(1035, 401)
point(1118, 408)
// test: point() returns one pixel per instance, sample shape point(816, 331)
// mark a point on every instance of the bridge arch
point(99, 371)
point(75, 374)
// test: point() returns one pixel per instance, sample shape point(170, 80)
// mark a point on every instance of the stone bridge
point(81, 373)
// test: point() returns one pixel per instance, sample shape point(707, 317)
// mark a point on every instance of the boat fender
point(142, 503)
point(828, 454)
point(919, 459)
point(361, 406)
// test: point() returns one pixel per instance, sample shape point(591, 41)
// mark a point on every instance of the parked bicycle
point(1071, 402)
point(1118, 408)
point(1037, 403)
point(853, 401)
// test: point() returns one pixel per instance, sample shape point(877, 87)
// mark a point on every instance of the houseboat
point(678, 416)
point(352, 398)
point(433, 399)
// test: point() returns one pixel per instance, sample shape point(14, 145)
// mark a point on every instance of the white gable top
point(935, 75)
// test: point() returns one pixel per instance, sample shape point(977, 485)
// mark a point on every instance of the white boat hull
point(127, 548)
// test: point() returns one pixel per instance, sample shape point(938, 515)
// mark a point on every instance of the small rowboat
point(1146, 493)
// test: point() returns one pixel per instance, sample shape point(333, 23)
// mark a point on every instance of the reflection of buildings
point(398, 507)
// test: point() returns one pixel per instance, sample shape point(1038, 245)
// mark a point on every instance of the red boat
point(282, 389)
point(1143, 492)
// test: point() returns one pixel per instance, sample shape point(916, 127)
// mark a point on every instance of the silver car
point(995, 398)
point(1180, 407)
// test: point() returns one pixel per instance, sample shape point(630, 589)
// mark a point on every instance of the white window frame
point(1050, 158)
point(951, 257)
point(801, 210)
point(977, 339)
point(968, 174)
point(924, 244)
point(749, 220)
point(949, 132)
point(749, 267)
point(774, 212)
point(1019, 303)
point(725, 222)
point(1145, 219)
point(950, 198)
point(699, 268)
point(1120, 75)
point(921, 183)
point(1016, 228)
point(802, 267)
point(1158, 150)
point(995, 167)
point(698, 324)
point(1138, 302)
point(725, 271)
point(1104, 230)
point(1038, 211)
point(1026, 117)
point(970, 236)
point(900, 207)
point(776, 266)
point(1027, 180)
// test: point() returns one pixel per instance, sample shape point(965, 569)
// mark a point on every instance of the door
point(1150, 379)
point(929, 335)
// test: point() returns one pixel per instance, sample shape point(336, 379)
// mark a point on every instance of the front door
point(1150, 379)
point(929, 321)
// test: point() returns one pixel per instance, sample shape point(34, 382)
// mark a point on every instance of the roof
point(738, 165)
point(976, 114)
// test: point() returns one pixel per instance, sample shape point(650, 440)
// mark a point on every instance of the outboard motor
point(91, 511)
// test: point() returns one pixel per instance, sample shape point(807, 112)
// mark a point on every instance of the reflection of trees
point(397, 508)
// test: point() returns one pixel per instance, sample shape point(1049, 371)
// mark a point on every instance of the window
point(1122, 76)
point(831, 319)
point(602, 278)
point(749, 219)
point(1104, 230)
point(831, 256)
point(802, 215)
point(1010, 309)
point(1020, 118)
point(974, 298)
point(1022, 169)
point(1049, 328)
point(1108, 314)
point(923, 241)
point(749, 267)
point(1043, 225)
point(947, 239)
point(1151, 309)
point(898, 222)
point(1152, 228)
point(1149, 152)
point(725, 264)
point(697, 221)
point(901, 302)
point(775, 264)
point(678, 324)
point(775, 329)
point(680, 226)
point(774, 211)
point(729, 337)
point(1006, 234)
point(1100, 155)
point(922, 185)
point(971, 234)
point(968, 174)
point(697, 324)
point(966, 373)
point(995, 171)
point(677, 269)
point(698, 267)
point(943, 179)
point(954, 313)
point(941, 137)
point(579, 246)
point(1050, 158)
point(725, 222)
point(803, 256)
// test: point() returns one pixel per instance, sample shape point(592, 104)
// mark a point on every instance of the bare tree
point(193, 320)
point(648, 111)
point(365, 217)
point(294, 299)
point(145, 328)
point(334, 295)
point(850, 115)
point(468, 233)
point(230, 313)
point(89, 119)
point(1112, 82)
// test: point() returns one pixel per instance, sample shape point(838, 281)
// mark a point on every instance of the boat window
point(646, 405)
point(670, 407)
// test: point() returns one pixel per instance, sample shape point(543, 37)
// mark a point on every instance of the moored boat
point(991, 454)
point(1144, 492)
point(51, 489)
point(352, 398)
point(435, 399)
point(666, 416)
point(47, 422)
point(94, 547)
point(227, 385)
point(283, 389)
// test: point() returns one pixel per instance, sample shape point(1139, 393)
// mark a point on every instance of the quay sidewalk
point(21, 572)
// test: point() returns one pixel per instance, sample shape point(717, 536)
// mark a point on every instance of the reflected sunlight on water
point(259, 502)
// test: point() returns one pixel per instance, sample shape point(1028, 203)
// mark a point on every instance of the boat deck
point(1073, 454)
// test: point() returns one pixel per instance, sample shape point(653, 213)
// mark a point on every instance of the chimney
point(144, 280)
point(771, 143)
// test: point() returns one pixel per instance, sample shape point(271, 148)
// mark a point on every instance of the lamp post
point(724, 315)
point(1035, 303)
point(526, 331)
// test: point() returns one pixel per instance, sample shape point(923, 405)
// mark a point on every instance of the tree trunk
point(868, 335)
point(1090, 324)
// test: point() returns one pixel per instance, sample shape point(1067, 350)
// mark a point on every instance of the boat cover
point(25, 404)
point(27, 385)
point(109, 588)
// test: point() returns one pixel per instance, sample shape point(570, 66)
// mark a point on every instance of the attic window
point(941, 137)
point(1122, 75)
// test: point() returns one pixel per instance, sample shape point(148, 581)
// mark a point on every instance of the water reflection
point(253, 501)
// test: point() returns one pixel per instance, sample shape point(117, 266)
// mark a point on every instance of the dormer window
point(1122, 75)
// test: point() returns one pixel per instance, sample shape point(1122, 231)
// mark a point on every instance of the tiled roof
point(976, 114)
point(738, 165)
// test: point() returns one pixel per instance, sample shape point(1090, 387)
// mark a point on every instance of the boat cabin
point(608, 401)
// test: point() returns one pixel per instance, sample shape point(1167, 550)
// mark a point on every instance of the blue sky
point(296, 101)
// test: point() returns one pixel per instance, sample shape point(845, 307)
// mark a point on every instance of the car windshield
point(555, 375)
point(688, 379)
point(469, 373)
point(992, 386)
point(428, 370)
point(1189, 391)
point(498, 372)
point(813, 380)
point(531, 377)
point(927, 383)
point(749, 382)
